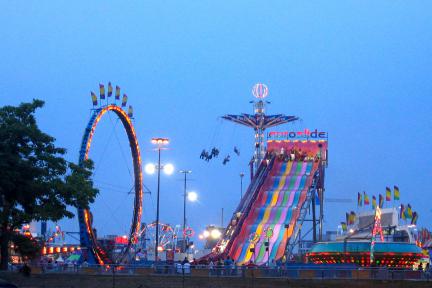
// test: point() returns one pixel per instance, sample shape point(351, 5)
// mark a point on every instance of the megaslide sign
point(292, 135)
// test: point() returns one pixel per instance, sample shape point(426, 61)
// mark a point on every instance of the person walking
point(228, 263)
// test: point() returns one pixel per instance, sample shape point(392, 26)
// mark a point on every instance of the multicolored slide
point(276, 206)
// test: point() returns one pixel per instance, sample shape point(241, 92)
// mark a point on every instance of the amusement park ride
point(287, 180)
point(96, 253)
point(376, 239)
point(142, 240)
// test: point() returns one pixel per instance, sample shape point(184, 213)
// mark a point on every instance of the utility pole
point(185, 172)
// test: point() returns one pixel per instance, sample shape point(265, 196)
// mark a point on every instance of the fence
point(290, 272)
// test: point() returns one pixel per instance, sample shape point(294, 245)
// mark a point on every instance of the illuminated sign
point(291, 135)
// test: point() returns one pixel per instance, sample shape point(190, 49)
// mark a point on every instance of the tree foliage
point(27, 247)
point(36, 182)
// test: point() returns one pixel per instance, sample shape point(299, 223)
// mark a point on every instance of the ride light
point(206, 233)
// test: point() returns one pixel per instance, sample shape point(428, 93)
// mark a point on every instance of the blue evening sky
point(360, 70)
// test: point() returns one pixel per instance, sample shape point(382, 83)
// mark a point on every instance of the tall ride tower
point(259, 121)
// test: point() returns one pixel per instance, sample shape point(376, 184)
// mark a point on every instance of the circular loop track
point(95, 253)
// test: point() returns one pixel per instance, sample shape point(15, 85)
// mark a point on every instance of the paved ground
point(147, 281)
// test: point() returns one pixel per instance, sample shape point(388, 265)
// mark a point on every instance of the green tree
point(36, 182)
point(28, 248)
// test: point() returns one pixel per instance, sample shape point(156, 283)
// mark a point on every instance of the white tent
point(60, 259)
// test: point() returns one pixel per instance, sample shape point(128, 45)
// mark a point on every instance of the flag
point(359, 199)
point(414, 218)
point(94, 98)
point(388, 194)
point(408, 212)
point(402, 212)
point(381, 201)
point(366, 199)
point(130, 111)
point(102, 91)
point(124, 100)
point(347, 218)
point(344, 226)
point(396, 194)
point(373, 202)
point(352, 218)
point(117, 94)
point(110, 89)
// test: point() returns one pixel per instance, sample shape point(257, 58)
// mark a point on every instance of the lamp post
point(160, 142)
point(191, 197)
point(185, 172)
point(241, 185)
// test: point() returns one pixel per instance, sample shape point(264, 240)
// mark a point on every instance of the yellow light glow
point(150, 168)
point(215, 234)
point(192, 196)
point(168, 169)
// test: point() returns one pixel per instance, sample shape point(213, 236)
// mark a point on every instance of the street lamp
point(168, 169)
point(241, 185)
point(191, 196)
point(215, 233)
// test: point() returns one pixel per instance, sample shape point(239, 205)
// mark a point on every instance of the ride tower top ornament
point(260, 91)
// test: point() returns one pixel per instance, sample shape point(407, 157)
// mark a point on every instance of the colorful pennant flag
point(110, 89)
point(388, 194)
point(117, 93)
point(381, 201)
point(344, 226)
point(130, 111)
point(414, 218)
point(124, 100)
point(352, 218)
point(374, 202)
point(402, 212)
point(366, 198)
point(396, 194)
point(102, 91)
point(409, 213)
point(359, 199)
point(94, 99)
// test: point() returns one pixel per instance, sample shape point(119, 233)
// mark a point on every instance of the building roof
point(361, 247)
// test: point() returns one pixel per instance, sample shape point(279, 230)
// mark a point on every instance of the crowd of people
point(297, 154)
point(223, 266)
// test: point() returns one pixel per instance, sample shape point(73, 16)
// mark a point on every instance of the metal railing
point(289, 271)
